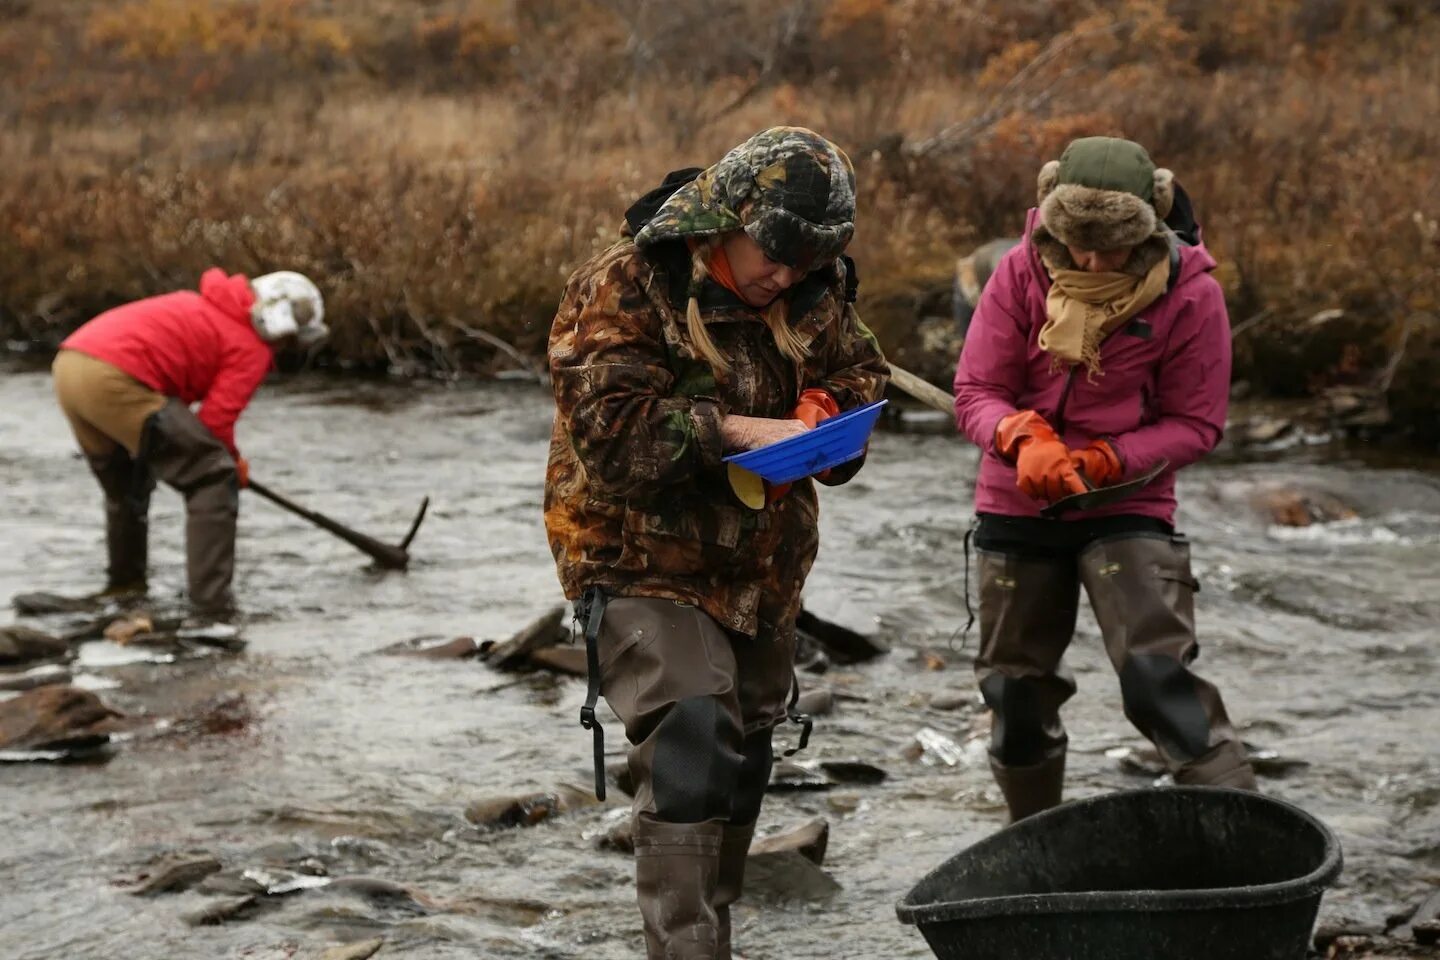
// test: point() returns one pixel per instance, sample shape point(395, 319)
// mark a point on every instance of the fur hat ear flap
point(1164, 197)
point(1049, 176)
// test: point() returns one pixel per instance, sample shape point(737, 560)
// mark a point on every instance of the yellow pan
point(749, 488)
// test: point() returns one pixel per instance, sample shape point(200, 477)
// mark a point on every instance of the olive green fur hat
point(1104, 193)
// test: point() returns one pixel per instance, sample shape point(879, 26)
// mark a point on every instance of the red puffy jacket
point(200, 347)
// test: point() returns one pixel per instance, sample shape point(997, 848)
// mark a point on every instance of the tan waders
point(699, 706)
point(1142, 591)
point(130, 436)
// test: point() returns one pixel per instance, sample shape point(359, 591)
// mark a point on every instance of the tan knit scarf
point(1082, 309)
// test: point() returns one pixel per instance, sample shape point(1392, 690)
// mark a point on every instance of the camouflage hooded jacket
point(636, 497)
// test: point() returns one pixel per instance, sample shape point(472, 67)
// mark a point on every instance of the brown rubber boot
point(186, 455)
point(1224, 766)
point(127, 488)
point(677, 867)
point(734, 849)
point(1029, 790)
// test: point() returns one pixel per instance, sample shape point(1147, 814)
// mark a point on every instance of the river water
point(1322, 639)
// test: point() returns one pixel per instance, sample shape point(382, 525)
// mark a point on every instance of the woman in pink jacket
point(1099, 352)
point(126, 381)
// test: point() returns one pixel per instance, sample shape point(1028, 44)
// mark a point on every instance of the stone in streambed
point(55, 717)
point(175, 873)
point(360, 950)
point(809, 840)
point(24, 645)
point(220, 911)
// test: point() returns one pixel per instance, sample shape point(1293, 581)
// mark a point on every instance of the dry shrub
point(440, 173)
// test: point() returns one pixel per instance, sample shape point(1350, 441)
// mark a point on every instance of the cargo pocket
point(679, 543)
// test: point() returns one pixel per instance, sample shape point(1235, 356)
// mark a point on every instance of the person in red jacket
point(126, 381)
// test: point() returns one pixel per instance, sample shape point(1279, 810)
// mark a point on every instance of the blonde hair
point(776, 316)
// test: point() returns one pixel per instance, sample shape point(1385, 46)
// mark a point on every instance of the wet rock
point(561, 659)
point(431, 648)
point(789, 777)
point(1270, 763)
point(174, 874)
point(230, 883)
point(363, 848)
point(817, 702)
point(1288, 506)
point(1327, 932)
point(32, 679)
point(24, 645)
point(275, 882)
point(359, 950)
point(126, 628)
point(1140, 762)
point(526, 810)
point(810, 656)
point(43, 604)
point(786, 875)
point(949, 701)
point(54, 718)
point(618, 773)
point(221, 911)
point(809, 840)
point(228, 713)
point(931, 747)
point(620, 837)
point(513, 654)
point(1423, 925)
point(843, 803)
point(844, 645)
point(382, 893)
point(852, 772)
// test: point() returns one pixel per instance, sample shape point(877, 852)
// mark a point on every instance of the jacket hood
point(231, 294)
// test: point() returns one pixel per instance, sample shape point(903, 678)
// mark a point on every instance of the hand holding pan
point(1101, 496)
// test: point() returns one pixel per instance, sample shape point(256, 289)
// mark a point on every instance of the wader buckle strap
point(795, 716)
point(590, 610)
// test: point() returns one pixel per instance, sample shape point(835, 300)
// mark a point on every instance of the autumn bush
point(440, 166)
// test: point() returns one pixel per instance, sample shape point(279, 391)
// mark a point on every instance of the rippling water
point(1323, 640)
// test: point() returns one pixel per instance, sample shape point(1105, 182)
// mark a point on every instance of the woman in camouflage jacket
point(722, 320)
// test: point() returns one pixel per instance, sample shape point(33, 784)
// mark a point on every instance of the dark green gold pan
point(1098, 497)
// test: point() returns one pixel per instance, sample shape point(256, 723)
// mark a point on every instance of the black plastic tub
point(1178, 873)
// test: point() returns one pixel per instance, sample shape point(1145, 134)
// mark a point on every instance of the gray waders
point(699, 706)
point(1142, 591)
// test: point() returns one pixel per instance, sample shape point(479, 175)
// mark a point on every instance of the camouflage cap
point(789, 188)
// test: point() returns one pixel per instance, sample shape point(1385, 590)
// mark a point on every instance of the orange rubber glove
point(242, 472)
point(1042, 461)
point(815, 405)
point(1099, 463)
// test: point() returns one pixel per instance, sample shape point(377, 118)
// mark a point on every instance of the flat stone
point(544, 631)
point(843, 644)
point(32, 679)
point(176, 873)
point(428, 648)
point(817, 702)
point(562, 659)
point(52, 717)
point(853, 772)
point(949, 701)
point(24, 645)
point(42, 604)
point(526, 810)
point(786, 875)
point(620, 837)
point(359, 950)
point(220, 911)
point(786, 776)
point(809, 840)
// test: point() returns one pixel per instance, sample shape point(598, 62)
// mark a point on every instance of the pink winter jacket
point(200, 347)
point(1163, 393)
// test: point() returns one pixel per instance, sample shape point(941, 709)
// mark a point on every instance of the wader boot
point(734, 849)
point(1027, 617)
point(1143, 593)
point(699, 705)
point(127, 485)
point(180, 450)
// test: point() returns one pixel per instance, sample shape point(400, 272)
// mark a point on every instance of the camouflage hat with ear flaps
point(789, 188)
point(1104, 193)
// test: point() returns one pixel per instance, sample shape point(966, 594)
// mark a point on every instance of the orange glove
point(1099, 463)
point(242, 471)
point(1042, 461)
point(815, 405)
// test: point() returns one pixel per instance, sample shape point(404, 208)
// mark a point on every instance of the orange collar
point(719, 266)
